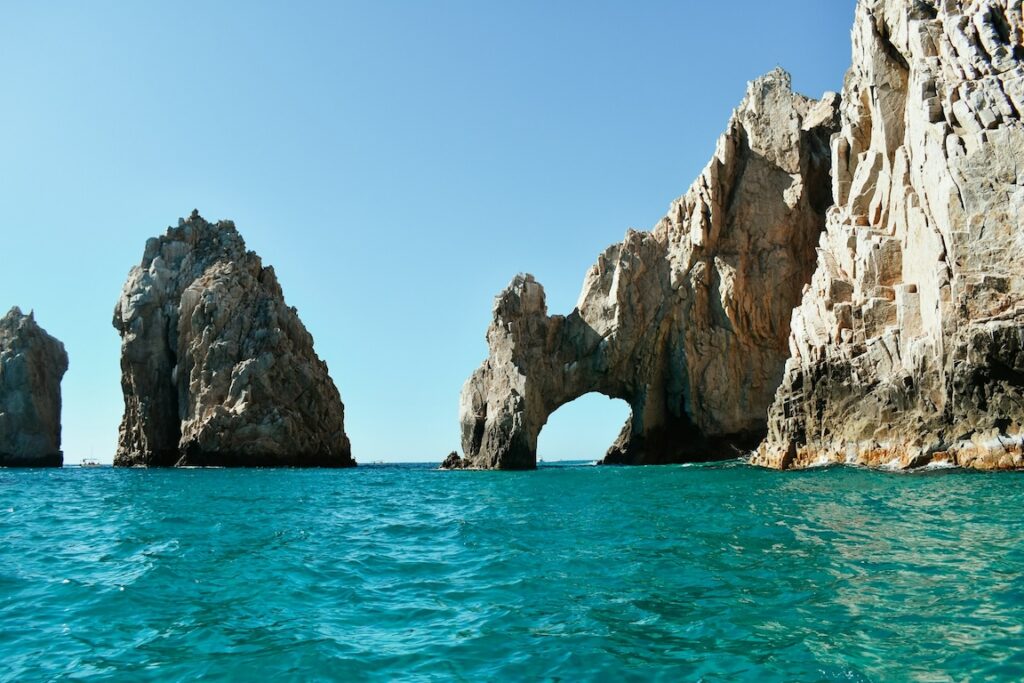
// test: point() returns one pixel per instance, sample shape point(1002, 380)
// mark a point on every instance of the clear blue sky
point(396, 162)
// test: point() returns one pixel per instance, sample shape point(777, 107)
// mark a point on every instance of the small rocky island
point(216, 369)
point(687, 323)
point(32, 364)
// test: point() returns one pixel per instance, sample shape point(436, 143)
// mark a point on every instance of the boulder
point(215, 368)
point(32, 364)
point(453, 462)
point(688, 323)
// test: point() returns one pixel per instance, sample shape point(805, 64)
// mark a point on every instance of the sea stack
point(32, 364)
point(216, 369)
point(688, 323)
point(908, 347)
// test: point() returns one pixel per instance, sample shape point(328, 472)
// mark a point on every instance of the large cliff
point(908, 346)
point(32, 364)
point(216, 368)
point(687, 323)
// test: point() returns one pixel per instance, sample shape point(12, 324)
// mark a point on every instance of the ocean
point(717, 572)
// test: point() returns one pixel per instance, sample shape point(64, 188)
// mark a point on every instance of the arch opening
point(582, 429)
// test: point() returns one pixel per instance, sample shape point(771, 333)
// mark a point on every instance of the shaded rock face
point(687, 323)
point(216, 368)
point(908, 346)
point(452, 462)
point(32, 364)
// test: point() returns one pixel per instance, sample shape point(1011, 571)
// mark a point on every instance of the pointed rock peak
point(17, 322)
point(198, 237)
point(523, 296)
point(196, 220)
point(777, 77)
point(776, 81)
point(14, 314)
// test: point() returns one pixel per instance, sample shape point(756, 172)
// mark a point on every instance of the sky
point(396, 162)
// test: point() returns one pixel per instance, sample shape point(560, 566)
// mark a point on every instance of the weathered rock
point(32, 364)
point(453, 462)
point(216, 368)
point(908, 346)
point(687, 323)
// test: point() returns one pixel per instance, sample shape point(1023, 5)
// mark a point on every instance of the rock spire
point(32, 364)
point(216, 368)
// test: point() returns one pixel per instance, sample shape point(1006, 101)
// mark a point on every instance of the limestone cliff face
point(908, 346)
point(32, 364)
point(687, 323)
point(216, 368)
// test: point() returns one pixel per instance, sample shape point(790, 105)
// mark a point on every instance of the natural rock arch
point(687, 323)
point(583, 428)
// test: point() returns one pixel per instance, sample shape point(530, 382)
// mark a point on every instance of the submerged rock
point(32, 364)
point(687, 323)
point(216, 368)
point(908, 347)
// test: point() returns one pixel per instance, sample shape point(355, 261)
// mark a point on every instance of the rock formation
point(32, 364)
point(216, 368)
point(687, 323)
point(908, 346)
point(452, 462)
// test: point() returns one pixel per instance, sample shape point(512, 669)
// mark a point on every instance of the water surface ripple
point(718, 572)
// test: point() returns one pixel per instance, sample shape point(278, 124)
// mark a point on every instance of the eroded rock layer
point(908, 346)
point(216, 368)
point(32, 364)
point(687, 323)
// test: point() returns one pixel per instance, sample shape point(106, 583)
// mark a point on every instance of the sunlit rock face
point(687, 323)
point(908, 346)
point(216, 368)
point(32, 364)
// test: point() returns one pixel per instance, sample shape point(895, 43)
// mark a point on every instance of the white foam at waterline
point(893, 465)
point(939, 465)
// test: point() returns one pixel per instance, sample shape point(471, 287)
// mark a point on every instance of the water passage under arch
point(582, 429)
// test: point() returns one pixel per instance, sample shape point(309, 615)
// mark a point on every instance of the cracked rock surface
point(908, 346)
point(216, 368)
point(688, 322)
point(32, 364)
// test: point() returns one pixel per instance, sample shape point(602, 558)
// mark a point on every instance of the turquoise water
point(717, 572)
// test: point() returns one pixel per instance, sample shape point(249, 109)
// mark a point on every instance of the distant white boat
point(89, 462)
